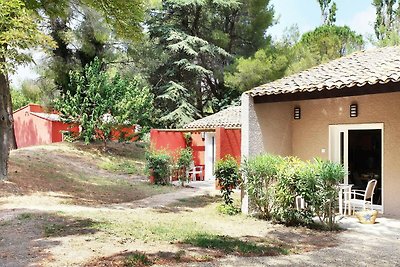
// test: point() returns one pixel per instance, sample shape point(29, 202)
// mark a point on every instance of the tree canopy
point(198, 40)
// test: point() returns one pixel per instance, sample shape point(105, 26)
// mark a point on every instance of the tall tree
point(18, 32)
point(101, 102)
point(328, 11)
point(387, 23)
point(293, 54)
point(199, 39)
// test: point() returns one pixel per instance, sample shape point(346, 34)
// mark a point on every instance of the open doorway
point(359, 148)
point(365, 160)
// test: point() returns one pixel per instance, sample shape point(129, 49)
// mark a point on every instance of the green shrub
point(286, 191)
point(273, 183)
point(137, 259)
point(183, 163)
point(325, 199)
point(230, 209)
point(261, 174)
point(227, 174)
point(158, 164)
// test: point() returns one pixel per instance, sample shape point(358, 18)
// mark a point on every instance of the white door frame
point(209, 155)
point(334, 147)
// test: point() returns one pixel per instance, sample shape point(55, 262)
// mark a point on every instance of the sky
point(359, 15)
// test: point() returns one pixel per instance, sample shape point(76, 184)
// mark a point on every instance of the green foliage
point(273, 183)
point(120, 166)
point(123, 16)
point(328, 11)
point(265, 66)
point(19, 33)
point(137, 259)
point(228, 209)
point(185, 159)
point(286, 191)
point(292, 55)
point(188, 139)
point(100, 103)
point(19, 100)
point(195, 41)
point(329, 42)
point(261, 174)
point(158, 164)
point(232, 245)
point(387, 18)
point(29, 92)
point(329, 175)
point(228, 177)
point(387, 23)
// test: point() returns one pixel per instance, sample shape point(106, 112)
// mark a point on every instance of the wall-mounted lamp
point(203, 135)
point(353, 110)
point(297, 113)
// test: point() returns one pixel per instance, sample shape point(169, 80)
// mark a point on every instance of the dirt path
point(192, 190)
point(360, 245)
point(22, 218)
point(31, 235)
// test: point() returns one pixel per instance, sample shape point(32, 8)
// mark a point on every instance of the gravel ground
point(361, 245)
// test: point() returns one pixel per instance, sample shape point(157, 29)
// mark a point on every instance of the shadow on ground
point(27, 236)
point(188, 204)
point(199, 248)
point(64, 169)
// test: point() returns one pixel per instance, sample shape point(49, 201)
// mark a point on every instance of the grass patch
point(76, 173)
point(197, 201)
point(170, 230)
point(137, 259)
point(231, 245)
point(63, 226)
point(25, 216)
point(121, 166)
point(228, 209)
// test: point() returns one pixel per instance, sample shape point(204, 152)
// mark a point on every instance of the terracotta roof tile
point(358, 69)
point(228, 118)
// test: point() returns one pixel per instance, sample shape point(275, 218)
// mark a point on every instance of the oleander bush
point(158, 164)
point(261, 174)
point(228, 177)
point(273, 183)
point(183, 162)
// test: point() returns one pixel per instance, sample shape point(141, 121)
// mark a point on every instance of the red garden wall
point(228, 142)
point(173, 141)
point(31, 129)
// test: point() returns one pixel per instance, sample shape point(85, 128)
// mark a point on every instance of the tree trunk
point(13, 140)
point(5, 124)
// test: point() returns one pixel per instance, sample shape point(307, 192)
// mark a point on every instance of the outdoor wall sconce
point(353, 110)
point(297, 113)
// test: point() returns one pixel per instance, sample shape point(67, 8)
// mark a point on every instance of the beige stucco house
point(347, 111)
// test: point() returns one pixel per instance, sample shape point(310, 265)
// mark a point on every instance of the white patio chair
point(194, 170)
point(366, 195)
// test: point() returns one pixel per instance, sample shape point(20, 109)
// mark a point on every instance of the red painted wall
point(31, 130)
point(228, 142)
point(59, 127)
point(172, 141)
point(199, 148)
point(127, 132)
